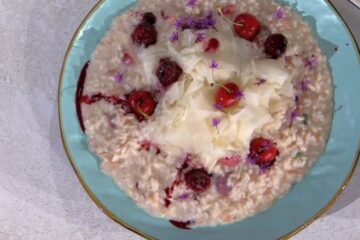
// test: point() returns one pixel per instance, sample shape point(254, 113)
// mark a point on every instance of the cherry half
point(247, 26)
point(198, 180)
point(263, 152)
point(211, 45)
point(227, 95)
point(142, 104)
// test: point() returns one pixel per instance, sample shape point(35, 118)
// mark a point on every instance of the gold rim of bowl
point(133, 229)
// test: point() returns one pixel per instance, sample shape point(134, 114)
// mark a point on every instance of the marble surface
point(40, 197)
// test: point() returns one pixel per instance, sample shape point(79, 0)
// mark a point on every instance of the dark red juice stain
point(78, 94)
point(178, 180)
point(182, 225)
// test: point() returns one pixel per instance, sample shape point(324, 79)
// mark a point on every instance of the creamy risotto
point(205, 112)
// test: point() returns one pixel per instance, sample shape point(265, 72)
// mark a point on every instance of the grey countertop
point(40, 197)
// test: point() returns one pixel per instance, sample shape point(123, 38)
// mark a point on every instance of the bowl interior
point(304, 200)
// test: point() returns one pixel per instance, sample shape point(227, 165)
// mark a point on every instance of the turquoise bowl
point(305, 202)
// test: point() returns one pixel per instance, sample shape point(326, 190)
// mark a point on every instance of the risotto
point(205, 112)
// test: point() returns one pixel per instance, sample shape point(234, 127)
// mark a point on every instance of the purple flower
point(206, 22)
point(217, 106)
point(293, 116)
point(199, 37)
point(240, 94)
point(304, 85)
point(179, 23)
point(189, 22)
point(279, 14)
point(215, 123)
point(191, 3)
point(310, 63)
point(183, 196)
point(174, 37)
point(260, 82)
point(119, 77)
point(213, 64)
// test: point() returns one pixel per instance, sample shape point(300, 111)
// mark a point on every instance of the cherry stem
point(141, 112)
point(218, 8)
point(222, 86)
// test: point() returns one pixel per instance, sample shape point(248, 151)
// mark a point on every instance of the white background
point(40, 197)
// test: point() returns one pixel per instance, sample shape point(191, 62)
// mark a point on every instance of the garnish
point(310, 63)
point(227, 10)
point(127, 59)
point(174, 37)
point(168, 72)
point(279, 14)
point(305, 118)
point(228, 95)
point(217, 106)
point(304, 85)
point(199, 37)
point(240, 94)
point(191, 3)
point(275, 45)
point(260, 82)
point(215, 123)
point(183, 197)
point(293, 116)
point(142, 104)
point(119, 77)
point(198, 180)
point(263, 153)
point(189, 22)
point(212, 45)
point(214, 64)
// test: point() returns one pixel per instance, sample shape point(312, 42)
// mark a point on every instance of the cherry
point(211, 45)
point(144, 34)
point(247, 26)
point(142, 104)
point(149, 18)
point(228, 95)
point(127, 59)
point(198, 180)
point(228, 10)
point(275, 45)
point(263, 152)
point(168, 72)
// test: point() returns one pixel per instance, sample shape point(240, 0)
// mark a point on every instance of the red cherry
point(263, 152)
point(144, 34)
point(249, 26)
point(275, 45)
point(211, 45)
point(142, 104)
point(228, 95)
point(127, 59)
point(268, 155)
point(168, 72)
point(198, 180)
point(259, 143)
